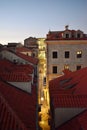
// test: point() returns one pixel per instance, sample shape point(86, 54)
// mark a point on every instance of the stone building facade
point(65, 50)
point(32, 44)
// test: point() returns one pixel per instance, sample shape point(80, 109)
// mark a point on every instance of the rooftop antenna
point(66, 27)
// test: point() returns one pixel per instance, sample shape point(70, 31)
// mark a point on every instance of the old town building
point(18, 96)
point(68, 101)
point(31, 43)
point(66, 49)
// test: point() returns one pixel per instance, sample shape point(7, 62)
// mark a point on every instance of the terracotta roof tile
point(15, 77)
point(70, 91)
point(69, 101)
point(22, 103)
point(28, 58)
point(7, 66)
point(29, 69)
point(74, 80)
point(57, 35)
point(23, 49)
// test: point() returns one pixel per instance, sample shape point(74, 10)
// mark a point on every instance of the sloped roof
point(5, 62)
point(15, 77)
point(32, 60)
point(58, 35)
point(74, 82)
point(28, 69)
point(23, 104)
point(76, 123)
point(7, 66)
point(70, 101)
point(70, 91)
point(23, 49)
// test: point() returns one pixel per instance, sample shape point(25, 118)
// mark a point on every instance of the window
point(78, 35)
point(66, 54)
point(78, 67)
point(79, 54)
point(44, 81)
point(55, 55)
point(66, 67)
point(67, 35)
point(54, 69)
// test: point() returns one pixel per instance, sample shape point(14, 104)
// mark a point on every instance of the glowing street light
point(42, 99)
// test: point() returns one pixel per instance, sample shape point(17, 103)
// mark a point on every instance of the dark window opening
point(54, 69)
point(66, 54)
point(67, 35)
point(44, 81)
point(78, 35)
point(78, 67)
point(33, 54)
point(55, 54)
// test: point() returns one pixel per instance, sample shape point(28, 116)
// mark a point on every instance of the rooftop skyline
point(24, 18)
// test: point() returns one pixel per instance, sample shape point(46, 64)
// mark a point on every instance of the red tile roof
point(5, 63)
point(72, 81)
point(26, 68)
point(70, 91)
point(7, 66)
point(15, 77)
point(57, 35)
point(23, 49)
point(70, 101)
point(23, 104)
point(30, 59)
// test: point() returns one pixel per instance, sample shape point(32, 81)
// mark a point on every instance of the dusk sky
point(20, 19)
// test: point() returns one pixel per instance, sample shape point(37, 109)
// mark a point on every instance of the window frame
point(67, 55)
point(78, 67)
point(54, 56)
point(67, 35)
point(54, 67)
point(66, 67)
point(79, 54)
point(78, 35)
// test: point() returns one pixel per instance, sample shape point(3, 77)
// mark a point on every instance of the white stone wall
point(61, 46)
point(27, 53)
point(12, 56)
point(26, 86)
point(62, 115)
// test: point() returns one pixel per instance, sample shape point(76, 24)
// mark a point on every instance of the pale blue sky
point(20, 19)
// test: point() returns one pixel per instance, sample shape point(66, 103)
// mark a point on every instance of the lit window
point(78, 67)
point(79, 54)
point(54, 69)
point(55, 55)
point(66, 54)
point(66, 67)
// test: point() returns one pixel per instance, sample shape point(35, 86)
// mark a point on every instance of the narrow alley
point(44, 114)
